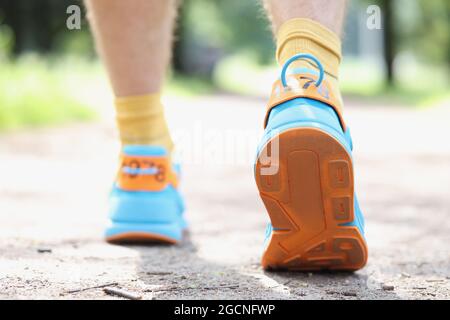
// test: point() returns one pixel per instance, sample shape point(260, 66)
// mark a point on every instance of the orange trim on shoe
point(145, 173)
point(303, 85)
point(140, 237)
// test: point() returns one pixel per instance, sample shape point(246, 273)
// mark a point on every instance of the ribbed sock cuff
point(302, 35)
point(141, 120)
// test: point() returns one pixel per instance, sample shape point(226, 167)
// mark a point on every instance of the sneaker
point(145, 204)
point(304, 173)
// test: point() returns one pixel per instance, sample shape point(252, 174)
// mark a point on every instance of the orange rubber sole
point(308, 199)
point(140, 237)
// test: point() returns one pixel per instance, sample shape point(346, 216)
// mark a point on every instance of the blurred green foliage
point(40, 26)
point(6, 41)
point(421, 27)
point(34, 90)
point(209, 30)
point(34, 93)
point(424, 28)
point(216, 41)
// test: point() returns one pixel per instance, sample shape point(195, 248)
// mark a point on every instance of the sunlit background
point(47, 72)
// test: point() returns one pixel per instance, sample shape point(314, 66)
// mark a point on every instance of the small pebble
point(406, 275)
point(44, 250)
point(303, 284)
point(434, 280)
point(349, 294)
point(387, 287)
point(122, 293)
point(157, 273)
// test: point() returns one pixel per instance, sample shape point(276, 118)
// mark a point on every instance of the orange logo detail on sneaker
point(145, 173)
point(303, 86)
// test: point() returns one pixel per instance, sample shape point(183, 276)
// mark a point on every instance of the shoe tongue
point(144, 150)
point(303, 70)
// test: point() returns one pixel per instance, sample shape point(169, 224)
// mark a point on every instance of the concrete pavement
point(54, 184)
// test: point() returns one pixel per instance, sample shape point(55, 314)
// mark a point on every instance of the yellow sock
point(307, 36)
point(141, 120)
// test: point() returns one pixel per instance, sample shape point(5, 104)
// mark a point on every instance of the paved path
point(54, 185)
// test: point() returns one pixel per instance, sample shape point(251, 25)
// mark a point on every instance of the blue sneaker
point(304, 173)
point(145, 205)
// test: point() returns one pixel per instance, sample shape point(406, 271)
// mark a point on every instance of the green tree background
point(208, 34)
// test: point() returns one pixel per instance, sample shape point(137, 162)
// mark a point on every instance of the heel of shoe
point(145, 217)
point(307, 113)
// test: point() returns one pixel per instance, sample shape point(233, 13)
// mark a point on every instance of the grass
point(42, 91)
point(34, 92)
